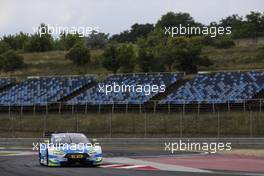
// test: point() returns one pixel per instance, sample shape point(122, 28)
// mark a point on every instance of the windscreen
point(69, 138)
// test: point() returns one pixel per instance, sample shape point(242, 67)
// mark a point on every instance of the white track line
point(17, 153)
point(160, 166)
point(132, 166)
point(111, 165)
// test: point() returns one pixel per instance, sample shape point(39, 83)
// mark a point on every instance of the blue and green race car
point(69, 149)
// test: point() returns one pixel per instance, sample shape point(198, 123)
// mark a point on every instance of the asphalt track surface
point(27, 165)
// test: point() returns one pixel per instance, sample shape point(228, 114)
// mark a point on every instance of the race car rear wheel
point(40, 159)
point(47, 157)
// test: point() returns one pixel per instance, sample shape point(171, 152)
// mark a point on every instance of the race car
point(69, 149)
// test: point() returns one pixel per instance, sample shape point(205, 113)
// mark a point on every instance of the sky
point(112, 16)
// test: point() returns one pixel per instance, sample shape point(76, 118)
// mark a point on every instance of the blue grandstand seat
point(6, 82)
point(222, 87)
point(94, 96)
point(43, 90)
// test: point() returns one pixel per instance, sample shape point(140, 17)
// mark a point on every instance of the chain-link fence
point(120, 119)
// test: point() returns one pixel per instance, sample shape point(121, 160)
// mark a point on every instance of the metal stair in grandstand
point(259, 95)
point(8, 86)
point(79, 91)
point(171, 88)
point(257, 100)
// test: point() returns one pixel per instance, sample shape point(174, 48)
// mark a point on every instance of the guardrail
point(239, 142)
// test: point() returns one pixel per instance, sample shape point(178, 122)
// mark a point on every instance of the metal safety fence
point(151, 119)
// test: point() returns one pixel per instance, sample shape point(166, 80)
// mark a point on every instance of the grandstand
point(6, 83)
point(217, 88)
point(222, 87)
point(42, 90)
point(93, 96)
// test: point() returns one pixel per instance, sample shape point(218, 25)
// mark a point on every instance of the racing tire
point(47, 157)
point(40, 159)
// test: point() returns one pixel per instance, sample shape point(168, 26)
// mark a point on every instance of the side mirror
point(94, 140)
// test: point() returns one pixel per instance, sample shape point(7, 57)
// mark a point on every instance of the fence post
point(154, 110)
point(77, 123)
point(21, 111)
point(110, 124)
point(99, 108)
point(198, 109)
point(145, 126)
point(181, 123)
point(213, 107)
point(59, 107)
point(228, 105)
point(181, 120)
point(244, 105)
point(169, 108)
point(12, 120)
point(184, 108)
point(47, 112)
point(20, 117)
point(218, 124)
point(126, 106)
point(260, 105)
point(113, 107)
point(9, 110)
point(251, 125)
point(34, 110)
point(140, 109)
point(72, 109)
point(85, 108)
point(45, 121)
point(44, 125)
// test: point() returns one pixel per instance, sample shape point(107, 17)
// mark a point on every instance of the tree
point(182, 53)
point(122, 37)
point(1, 61)
point(175, 19)
point(4, 47)
point(140, 30)
point(67, 41)
point(233, 21)
point(110, 58)
point(16, 41)
point(145, 60)
point(251, 26)
point(79, 55)
point(256, 19)
point(97, 41)
point(126, 56)
point(40, 42)
point(155, 38)
point(136, 31)
point(11, 61)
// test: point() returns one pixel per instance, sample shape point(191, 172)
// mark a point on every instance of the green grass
point(54, 63)
point(235, 58)
point(240, 57)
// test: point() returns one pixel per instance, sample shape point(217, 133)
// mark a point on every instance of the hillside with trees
point(142, 48)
